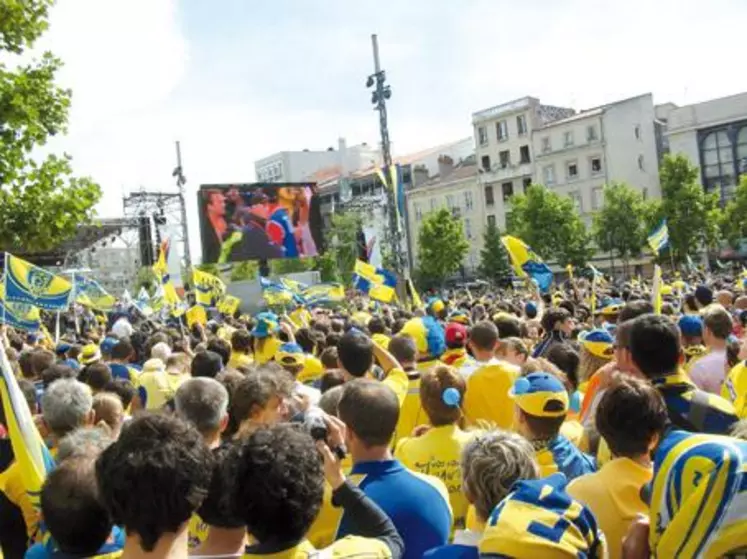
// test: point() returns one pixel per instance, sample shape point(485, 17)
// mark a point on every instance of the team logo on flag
point(39, 281)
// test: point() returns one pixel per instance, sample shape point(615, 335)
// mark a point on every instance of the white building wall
point(630, 141)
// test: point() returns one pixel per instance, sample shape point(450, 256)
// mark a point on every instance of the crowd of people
point(506, 423)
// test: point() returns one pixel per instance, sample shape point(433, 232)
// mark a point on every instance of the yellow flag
point(656, 297)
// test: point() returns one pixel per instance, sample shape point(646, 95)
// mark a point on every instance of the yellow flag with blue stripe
point(377, 283)
point(207, 287)
point(659, 239)
point(170, 296)
point(32, 456)
point(26, 283)
point(526, 263)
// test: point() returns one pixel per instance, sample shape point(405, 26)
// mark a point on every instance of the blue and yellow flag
point(169, 295)
point(26, 283)
point(526, 263)
point(88, 292)
point(18, 315)
point(278, 295)
point(324, 293)
point(377, 283)
point(207, 287)
point(31, 454)
point(417, 302)
point(659, 239)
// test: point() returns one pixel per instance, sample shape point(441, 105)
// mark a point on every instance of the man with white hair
point(161, 351)
point(67, 405)
point(204, 403)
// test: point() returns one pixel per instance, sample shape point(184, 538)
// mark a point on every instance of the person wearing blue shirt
point(417, 504)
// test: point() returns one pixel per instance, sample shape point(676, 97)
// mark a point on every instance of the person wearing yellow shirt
point(378, 331)
point(438, 451)
point(241, 349)
point(614, 493)
point(456, 354)
point(283, 460)
point(488, 380)
point(312, 366)
point(266, 342)
point(154, 390)
point(491, 463)
point(411, 413)
point(734, 388)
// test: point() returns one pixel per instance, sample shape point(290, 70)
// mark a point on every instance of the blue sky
point(236, 80)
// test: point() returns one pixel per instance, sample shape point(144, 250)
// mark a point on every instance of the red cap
point(456, 333)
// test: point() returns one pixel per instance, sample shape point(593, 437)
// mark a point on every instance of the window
point(548, 173)
point(486, 163)
point(524, 154)
point(597, 198)
point(417, 211)
point(571, 170)
point(468, 200)
point(491, 221)
point(450, 201)
point(596, 165)
point(507, 188)
point(546, 147)
point(637, 132)
point(482, 135)
point(640, 162)
point(591, 133)
point(568, 138)
point(501, 130)
point(434, 204)
point(526, 183)
point(521, 124)
point(718, 161)
point(489, 200)
point(467, 228)
point(505, 157)
point(575, 196)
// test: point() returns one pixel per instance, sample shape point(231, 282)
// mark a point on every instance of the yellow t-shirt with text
point(438, 453)
point(411, 412)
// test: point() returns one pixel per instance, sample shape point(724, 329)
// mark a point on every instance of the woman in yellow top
point(438, 451)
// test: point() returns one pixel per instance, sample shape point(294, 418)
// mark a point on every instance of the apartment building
point(713, 135)
point(576, 156)
point(504, 148)
point(457, 188)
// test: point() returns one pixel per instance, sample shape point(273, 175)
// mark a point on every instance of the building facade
point(713, 135)
point(115, 268)
point(576, 156)
point(298, 166)
point(503, 145)
point(457, 188)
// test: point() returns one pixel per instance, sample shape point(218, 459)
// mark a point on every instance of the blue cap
point(267, 325)
point(535, 391)
point(691, 325)
point(530, 309)
point(62, 348)
point(108, 344)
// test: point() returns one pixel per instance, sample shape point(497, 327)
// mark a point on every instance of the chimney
point(445, 166)
point(342, 154)
point(419, 175)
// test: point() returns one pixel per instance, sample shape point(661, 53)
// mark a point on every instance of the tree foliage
point(281, 266)
point(620, 226)
point(41, 203)
point(550, 224)
point(326, 265)
point(493, 258)
point(441, 246)
point(733, 223)
point(146, 278)
point(693, 215)
point(344, 242)
point(247, 270)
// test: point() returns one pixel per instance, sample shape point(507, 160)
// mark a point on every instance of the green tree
point(441, 246)
point(41, 203)
point(209, 268)
point(550, 224)
point(326, 265)
point(693, 215)
point(344, 242)
point(247, 270)
point(146, 278)
point(620, 225)
point(281, 266)
point(733, 223)
point(493, 258)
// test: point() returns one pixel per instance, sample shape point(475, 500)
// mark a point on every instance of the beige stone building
point(457, 188)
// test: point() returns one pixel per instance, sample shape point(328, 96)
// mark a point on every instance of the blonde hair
point(491, 463)
point(589, 364)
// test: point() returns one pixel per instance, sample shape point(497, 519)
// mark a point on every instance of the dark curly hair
point(216, 508)
point(278, 483)
point(155, 476)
